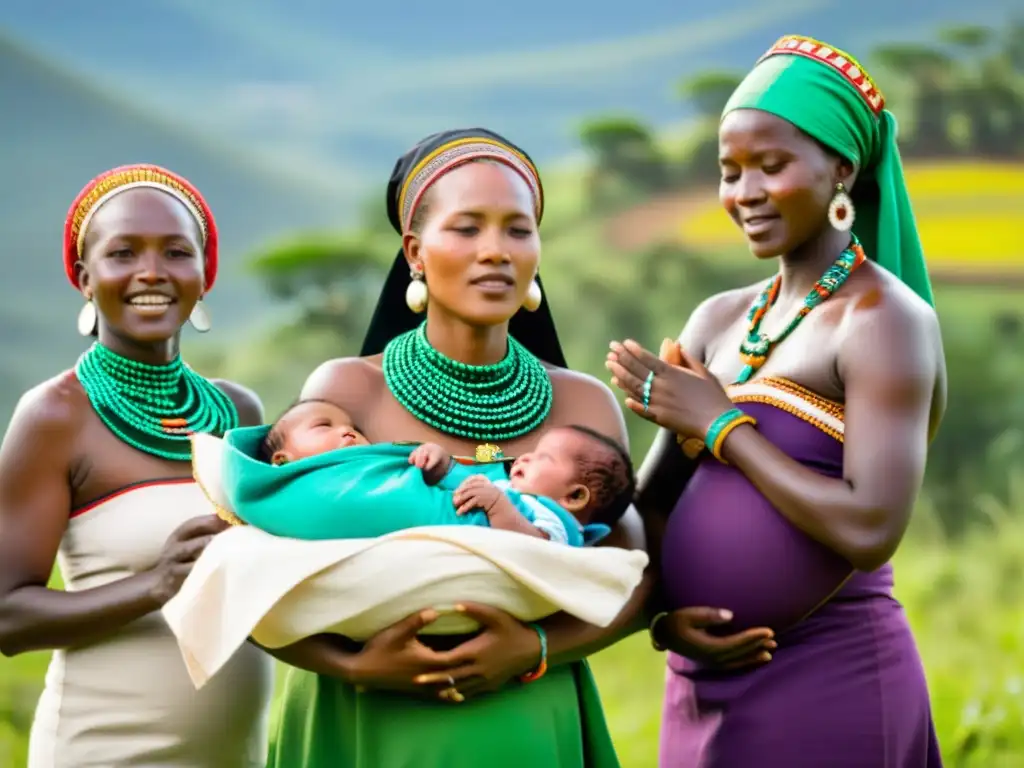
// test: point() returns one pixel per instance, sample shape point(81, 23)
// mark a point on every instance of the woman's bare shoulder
point(345, 379)
point(48, 419)
point(246, 401)
point(715, 314)
point(57, 404)
point(586, 400)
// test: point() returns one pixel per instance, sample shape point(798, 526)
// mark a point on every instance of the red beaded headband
point(126, 177)
point(444, 158)
point(842, 62)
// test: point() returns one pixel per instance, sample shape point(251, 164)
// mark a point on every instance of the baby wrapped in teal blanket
point(313, 475)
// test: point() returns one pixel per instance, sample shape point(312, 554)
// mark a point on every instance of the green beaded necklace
point(153, 408)
point(479, 402)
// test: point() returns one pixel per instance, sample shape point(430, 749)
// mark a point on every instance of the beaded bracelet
point(722, 427)
point(540, 669)
point(652, 628)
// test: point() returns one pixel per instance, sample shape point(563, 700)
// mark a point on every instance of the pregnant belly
point(725, 546)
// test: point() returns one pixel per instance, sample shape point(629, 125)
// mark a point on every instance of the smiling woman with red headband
point(95, 472)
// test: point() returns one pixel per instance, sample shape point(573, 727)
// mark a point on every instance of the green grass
point(963, 603)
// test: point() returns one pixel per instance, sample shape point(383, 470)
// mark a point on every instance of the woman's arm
point(891, 364)
point(35, 500)
point(660, 481)
point(35, 464)
point(570, 639)
point(666, 469)
point(320, 654)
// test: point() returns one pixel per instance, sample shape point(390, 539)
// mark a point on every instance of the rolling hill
point(342, 88)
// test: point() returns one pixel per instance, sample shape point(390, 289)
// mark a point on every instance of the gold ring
point(451, 693)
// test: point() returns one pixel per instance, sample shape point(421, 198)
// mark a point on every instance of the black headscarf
point(392, 317)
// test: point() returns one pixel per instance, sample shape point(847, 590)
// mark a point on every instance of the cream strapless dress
point(128, 700)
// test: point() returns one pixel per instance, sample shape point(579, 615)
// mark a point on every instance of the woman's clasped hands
point(396, 659)
point(673, 389)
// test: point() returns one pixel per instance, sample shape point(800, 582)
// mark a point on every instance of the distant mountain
point(342, 88)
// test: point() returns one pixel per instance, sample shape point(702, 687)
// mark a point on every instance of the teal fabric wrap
point(355, 493)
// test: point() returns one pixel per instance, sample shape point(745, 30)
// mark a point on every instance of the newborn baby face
point(552, 470)
point(312, 428)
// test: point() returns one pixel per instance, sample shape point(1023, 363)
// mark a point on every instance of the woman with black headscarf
point(461, 351)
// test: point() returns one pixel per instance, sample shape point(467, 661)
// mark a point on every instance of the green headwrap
point(826, 94)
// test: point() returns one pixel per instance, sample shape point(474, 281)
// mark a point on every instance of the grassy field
point(963, 602)
point(968, 215)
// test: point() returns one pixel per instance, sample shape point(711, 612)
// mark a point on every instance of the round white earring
point(534, 297)
point(199, 317)
point(416, 295)
point(87, 319)
point(840, 210)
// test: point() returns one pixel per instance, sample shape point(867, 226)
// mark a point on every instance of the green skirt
point(554, 722)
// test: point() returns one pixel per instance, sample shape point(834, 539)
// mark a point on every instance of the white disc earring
point(416, 295)
point(840, 210)
point(87, 319)
point(199, 317)
point(534, 297)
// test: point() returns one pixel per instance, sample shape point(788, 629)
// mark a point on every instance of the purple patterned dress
point(845, 688)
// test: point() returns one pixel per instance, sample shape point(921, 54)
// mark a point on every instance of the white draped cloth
point(278, 590)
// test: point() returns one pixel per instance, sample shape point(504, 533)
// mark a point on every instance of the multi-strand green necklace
point(153, 408)
point(757, 345)
point(478, 402)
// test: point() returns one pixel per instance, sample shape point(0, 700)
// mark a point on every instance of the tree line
point(961, 96)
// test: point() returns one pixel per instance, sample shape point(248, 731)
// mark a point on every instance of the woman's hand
point(394, 659)
point(684, 397)
point(503, 650)
point(684, 632)
point(180, 552)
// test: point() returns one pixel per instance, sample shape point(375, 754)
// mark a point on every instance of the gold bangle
point(652, 628)
point(716, 449)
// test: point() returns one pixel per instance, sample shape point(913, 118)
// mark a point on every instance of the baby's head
point(309, 428)
point(586, 473)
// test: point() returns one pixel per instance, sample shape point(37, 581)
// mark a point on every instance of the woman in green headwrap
point(487, 376)
point(800, 410)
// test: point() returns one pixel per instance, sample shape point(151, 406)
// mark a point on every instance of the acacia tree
point(987, 94)
point(931, 73)
point(625, 156)
point(333, 281)
point(708, 92)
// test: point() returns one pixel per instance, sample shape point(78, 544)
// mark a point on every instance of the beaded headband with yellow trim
point(454, 153)
point(121, 179)
point(90, 211)
point(842, 62)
